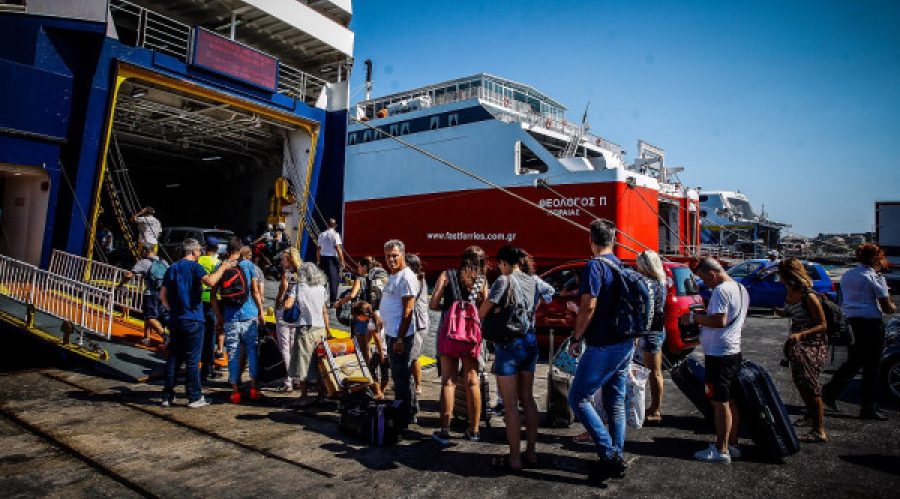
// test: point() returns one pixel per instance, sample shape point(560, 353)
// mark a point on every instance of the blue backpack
point(155, 274)
point(635, 304)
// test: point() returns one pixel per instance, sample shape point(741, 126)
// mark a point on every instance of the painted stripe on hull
point(439, 227)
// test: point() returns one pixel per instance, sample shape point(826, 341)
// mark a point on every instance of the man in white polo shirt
point(330, 257)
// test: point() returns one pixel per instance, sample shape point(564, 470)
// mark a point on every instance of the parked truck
point(887, 233)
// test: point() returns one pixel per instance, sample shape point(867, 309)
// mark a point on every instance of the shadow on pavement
point(877, 462)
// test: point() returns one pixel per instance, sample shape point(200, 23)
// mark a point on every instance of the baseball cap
point(212, 242)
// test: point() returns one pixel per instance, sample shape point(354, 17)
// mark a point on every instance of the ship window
point(435, 122)
point(527, 162)
point(367, 136)
point(393, 130)
point(703, 213)
point(453, 120)
point(352, 139)
point(404, 128)
point(704, 198)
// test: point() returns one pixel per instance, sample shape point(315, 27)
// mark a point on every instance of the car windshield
point(684, 281)
point(743, 269)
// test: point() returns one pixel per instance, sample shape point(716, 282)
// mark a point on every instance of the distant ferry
point(515, 137)
point(729, 223)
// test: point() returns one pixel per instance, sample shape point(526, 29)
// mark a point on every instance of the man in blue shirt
point(239, 321)
point(181, 293)
point(606, 356)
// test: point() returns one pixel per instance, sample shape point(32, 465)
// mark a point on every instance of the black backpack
point(233, 287)
point(837, 328)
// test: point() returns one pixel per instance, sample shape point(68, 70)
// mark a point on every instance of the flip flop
point(813, 437)
point(501, 463)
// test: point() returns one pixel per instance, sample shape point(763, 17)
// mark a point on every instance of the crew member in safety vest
point(209, 261)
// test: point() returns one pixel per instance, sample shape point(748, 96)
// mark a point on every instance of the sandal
point(653, 419)
point(813, 437)
point(501, 463)
point(583, 438)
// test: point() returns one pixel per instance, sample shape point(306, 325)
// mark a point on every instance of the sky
point(794, 103)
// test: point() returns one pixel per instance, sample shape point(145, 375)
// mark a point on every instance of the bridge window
point(367, 136)
point(393, 129)
point(404, 128)
point(453, 119)
point(435, 122)
point(352, 139)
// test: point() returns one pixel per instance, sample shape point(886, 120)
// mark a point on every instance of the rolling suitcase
point(690, 377)
point(559, 413)
point(763, 413)
point(270, 362)
point(377, 422)
point(461, 408)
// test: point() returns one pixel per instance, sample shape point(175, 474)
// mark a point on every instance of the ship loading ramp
point(199, 162)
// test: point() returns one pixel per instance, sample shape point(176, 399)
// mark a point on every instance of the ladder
point(121, 217)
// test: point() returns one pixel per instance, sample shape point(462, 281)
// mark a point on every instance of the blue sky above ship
point(795, 104)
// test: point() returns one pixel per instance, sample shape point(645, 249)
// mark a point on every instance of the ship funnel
point(368, 63)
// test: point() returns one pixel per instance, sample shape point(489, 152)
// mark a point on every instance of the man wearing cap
point(153, 269)
point(209, 261)
point(148, 225)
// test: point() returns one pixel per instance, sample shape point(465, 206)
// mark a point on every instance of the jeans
point(237, 334)
point(185, 345)
point(332, 269)
point(606, 368)
point(401, 372)
point(209, 340)
point(865, 354)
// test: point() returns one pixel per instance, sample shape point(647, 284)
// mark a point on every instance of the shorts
point(653, 342)
point(721, 376)
point(303, 353)
point(518, 355)
point(152, 308)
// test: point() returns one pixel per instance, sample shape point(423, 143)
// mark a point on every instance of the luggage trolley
point(343, 367)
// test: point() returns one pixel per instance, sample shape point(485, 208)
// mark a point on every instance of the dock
point(73, 434)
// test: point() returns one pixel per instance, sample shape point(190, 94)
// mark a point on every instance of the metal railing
point(87, 307)
point(169, 36)
point(722, 252)
point(127, 293)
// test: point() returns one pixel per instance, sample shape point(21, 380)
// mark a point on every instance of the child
point(378, 363)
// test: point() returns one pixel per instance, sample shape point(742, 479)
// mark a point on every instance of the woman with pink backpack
point(457, 294)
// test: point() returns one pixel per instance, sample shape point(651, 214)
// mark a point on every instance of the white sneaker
point(200, 402)
point(712, 455)
point(167, 402)
point(734, 452)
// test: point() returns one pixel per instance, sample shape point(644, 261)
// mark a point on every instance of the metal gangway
point(89, 308)
point(128, 294)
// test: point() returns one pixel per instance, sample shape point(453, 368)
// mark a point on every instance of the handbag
point(292, 315)
point(564, 361)
point(510, 320)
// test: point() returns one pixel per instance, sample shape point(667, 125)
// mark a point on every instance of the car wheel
point(890, 374)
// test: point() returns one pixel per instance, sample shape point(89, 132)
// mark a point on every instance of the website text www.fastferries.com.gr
point(472, 236)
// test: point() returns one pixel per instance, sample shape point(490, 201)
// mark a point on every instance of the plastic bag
point(635, 396)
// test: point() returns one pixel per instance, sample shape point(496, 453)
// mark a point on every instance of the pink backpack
point(460, 332)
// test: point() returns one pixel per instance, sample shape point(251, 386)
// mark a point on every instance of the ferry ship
point(225, 114)
point(730, 227)
point(489, 161)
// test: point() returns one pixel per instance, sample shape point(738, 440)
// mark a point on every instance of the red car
point(558, 317)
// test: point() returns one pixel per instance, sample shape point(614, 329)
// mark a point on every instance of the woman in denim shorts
point(514, 360)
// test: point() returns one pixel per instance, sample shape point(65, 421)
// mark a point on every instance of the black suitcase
point(690, 377)
point(763, 413)
point(559, 412)
point(377, 422)
point(270, 363)
point(461, 408)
